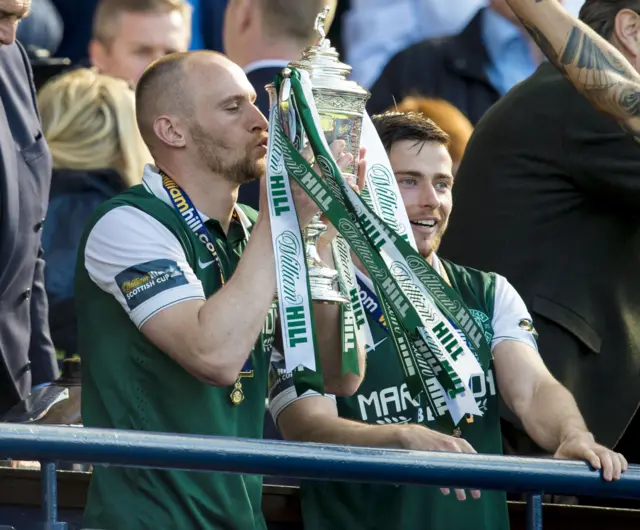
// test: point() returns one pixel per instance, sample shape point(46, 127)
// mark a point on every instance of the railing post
point(534, 511)
point(50, 497)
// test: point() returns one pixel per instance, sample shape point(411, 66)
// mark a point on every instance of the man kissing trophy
point(312, 104)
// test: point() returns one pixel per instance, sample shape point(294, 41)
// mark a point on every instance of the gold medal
point(237, 395)
point(457, 432)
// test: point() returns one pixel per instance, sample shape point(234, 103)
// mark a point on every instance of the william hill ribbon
point(434, 332)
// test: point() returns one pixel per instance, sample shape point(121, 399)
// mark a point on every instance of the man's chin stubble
point(245, 173)
point(431, 247)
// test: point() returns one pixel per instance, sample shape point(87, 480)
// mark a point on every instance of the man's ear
point(168, 130)
point(626, 32)
point(246, 12)
point(98, 55)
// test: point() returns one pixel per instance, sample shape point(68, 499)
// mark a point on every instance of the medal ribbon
point(372, 304)
point(184, 206)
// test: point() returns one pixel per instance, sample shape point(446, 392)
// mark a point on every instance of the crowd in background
point(455, 62)
point(450, 61)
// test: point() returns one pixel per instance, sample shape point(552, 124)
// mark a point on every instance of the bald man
point(176, 304)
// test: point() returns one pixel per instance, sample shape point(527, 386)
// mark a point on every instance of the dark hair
point(394, 127)
point(445, 116)
point(600, 15)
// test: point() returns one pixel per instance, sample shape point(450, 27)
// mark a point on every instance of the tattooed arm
point(593, 65)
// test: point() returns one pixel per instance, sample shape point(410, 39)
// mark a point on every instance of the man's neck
point(210, 192)
point(286, 52)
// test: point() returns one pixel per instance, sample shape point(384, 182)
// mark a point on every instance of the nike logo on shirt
point(372, 348)
point(204, 265)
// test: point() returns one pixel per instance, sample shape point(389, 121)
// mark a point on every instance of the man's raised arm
point(594, 66)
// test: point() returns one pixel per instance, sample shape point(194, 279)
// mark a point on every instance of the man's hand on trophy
point(263, 211)
point(305, 206)
point(357, 184)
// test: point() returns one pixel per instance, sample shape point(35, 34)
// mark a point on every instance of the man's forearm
point(593, 65)
point(552, 415)
point(233, 317)
point(328, 429)
point(329, 339)
point(315, 419)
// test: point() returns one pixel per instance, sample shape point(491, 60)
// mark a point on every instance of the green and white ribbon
point(381, 191)
point(294, 297)
point(425, 329)
point(295, 309)
point(385, 199)
point(445, 349)
point(355, 329)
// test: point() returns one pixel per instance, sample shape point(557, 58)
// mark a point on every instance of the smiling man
point(383, 414)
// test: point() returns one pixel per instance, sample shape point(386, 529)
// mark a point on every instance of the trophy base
point(322, 286)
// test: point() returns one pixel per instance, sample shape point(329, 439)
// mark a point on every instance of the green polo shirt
point(137, 257)
point(383, 399)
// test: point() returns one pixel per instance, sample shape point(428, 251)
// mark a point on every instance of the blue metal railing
point(305, 460)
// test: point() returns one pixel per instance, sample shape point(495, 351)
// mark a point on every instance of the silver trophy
point(341, 105)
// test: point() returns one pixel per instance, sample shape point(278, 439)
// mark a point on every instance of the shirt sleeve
point(511, 319)
point(135, 258)
point(282, 391)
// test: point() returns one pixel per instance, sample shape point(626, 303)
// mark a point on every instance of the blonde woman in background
point(89, 122)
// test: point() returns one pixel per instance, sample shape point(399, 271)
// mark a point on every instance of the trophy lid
point(322, 63)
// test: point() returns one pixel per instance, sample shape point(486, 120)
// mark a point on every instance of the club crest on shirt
point(526, 324)
point(484, 322)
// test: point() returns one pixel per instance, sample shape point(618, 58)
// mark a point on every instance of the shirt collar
point(152, 181)
point(498, 33)
point(265, 63)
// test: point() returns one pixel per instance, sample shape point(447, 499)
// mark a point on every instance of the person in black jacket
point(263, 37)
point(26, 354)
point(548, 195)
point(471, 70)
